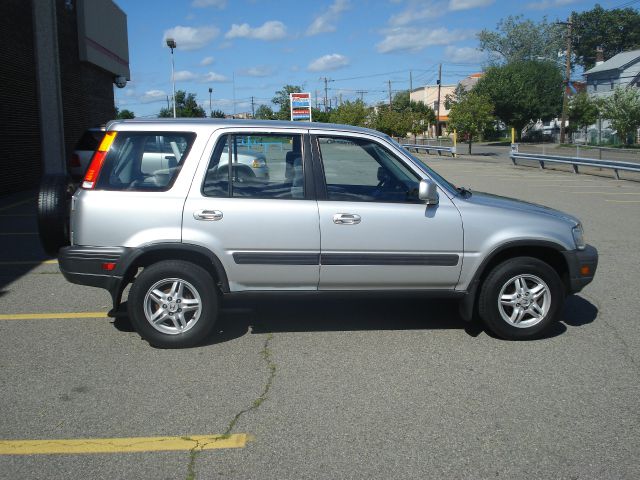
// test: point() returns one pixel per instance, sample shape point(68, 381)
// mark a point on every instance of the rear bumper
point(84, 266)
point(582, 267)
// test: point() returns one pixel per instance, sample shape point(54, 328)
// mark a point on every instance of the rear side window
point(144, 161)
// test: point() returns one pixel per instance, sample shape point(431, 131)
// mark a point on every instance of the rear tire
point(521, 298)
point(54, 200)
point(173, 304)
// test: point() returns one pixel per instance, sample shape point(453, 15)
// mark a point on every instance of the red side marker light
point(585, 270)
point(108, 266)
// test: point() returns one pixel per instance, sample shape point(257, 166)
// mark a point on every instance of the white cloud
point(190, 38)
point(184, 76)
point(259, 71)
point(546, 4)
point(467, 4)
point(271, 30)
point(206, 61)
point(213, 77)
point(463, 54)
point(209, 3)
point(417, 10)
point(325, 22)
point(416, 39)
point(151, 96)
point(328, 62)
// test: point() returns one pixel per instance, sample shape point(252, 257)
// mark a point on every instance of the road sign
point(300, 106)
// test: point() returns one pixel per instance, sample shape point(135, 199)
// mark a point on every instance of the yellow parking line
point(16, 204)
point(120, 445)
point(52, 316)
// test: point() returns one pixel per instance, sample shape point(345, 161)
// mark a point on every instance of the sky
point(250, 48)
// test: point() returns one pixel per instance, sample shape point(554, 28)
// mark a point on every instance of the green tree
point(517, 40)
point(622, 109)
point(523, 92)
point(583, 111)
point(418, 115)
point(318, 115)
point(471, 116)
point(186, 106)
point(391, 122)
point(615, 30)
point(282, 100)
point(265, 112)
point(124, 114)
point(217, 114)
point(351, 113)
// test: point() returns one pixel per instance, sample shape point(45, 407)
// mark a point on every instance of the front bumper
point(582, 267)
point(85, 266)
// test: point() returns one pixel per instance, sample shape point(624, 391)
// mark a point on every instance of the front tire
point(173, 304)
point(521, 298)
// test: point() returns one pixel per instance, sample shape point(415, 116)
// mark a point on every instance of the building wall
point(20, 155)
point(87, 92)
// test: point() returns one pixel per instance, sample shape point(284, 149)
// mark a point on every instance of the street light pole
point(171, 43)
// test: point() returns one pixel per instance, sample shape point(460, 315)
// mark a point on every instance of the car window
point(363, 170)
point(144, 161)
point(256, 166)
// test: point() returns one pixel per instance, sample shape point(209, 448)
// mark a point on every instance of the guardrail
point(429, 148)
point(576, 162)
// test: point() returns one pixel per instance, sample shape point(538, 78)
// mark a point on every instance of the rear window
point(144, 161)
point(90, 140)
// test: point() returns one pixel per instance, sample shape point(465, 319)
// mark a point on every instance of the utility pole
point(410, 82)
point(253, 111)
point(565, 96)
point(210, 108)
point(439, 90)
point(326, 93)
point(340, 100)
point(316, 97)
point(361, 93)
point(389, 92)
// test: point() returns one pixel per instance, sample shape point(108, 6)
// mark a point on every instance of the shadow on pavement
point(312, 313)
point(20, 250)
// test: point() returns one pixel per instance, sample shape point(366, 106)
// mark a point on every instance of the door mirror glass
point(428, 192)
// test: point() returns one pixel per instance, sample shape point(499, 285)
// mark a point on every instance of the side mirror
point(428, 191)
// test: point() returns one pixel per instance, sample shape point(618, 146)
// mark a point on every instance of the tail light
point(93, 172)
point(75, 161)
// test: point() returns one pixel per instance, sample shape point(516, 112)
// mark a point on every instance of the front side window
point(256, 166)
point(362, 170)
point(144, 161)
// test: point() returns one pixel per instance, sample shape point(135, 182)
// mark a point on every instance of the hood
point(496, 201)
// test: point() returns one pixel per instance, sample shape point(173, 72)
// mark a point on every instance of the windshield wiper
point(463, 190)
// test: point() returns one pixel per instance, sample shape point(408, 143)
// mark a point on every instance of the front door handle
point(208, 215)
point(346, 219)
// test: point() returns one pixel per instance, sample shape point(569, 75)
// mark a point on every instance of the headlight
point(259, 163)
point(578, 236)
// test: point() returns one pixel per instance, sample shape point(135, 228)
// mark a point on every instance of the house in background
point(429, 96)
point(621, 70)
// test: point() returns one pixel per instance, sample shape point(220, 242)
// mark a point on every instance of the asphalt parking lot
point(329, 388)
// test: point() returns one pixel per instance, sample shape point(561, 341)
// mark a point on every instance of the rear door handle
point(208, 215)
point(346, 219)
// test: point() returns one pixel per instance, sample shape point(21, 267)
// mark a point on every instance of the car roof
point(220, 123)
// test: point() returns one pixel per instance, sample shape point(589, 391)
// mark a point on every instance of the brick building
point(58, 64)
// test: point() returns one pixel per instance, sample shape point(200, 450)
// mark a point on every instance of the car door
point(375, 233)
point(260, 216)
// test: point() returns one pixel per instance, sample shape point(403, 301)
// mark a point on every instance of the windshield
point(432, 173)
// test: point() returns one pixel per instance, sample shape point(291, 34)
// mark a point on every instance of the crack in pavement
point(265, 353)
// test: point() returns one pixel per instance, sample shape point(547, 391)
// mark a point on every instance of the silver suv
point(342, 209)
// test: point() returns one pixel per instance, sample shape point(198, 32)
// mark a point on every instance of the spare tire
point(54, 201)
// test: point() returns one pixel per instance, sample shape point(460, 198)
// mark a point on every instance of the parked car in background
point(79, 160)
